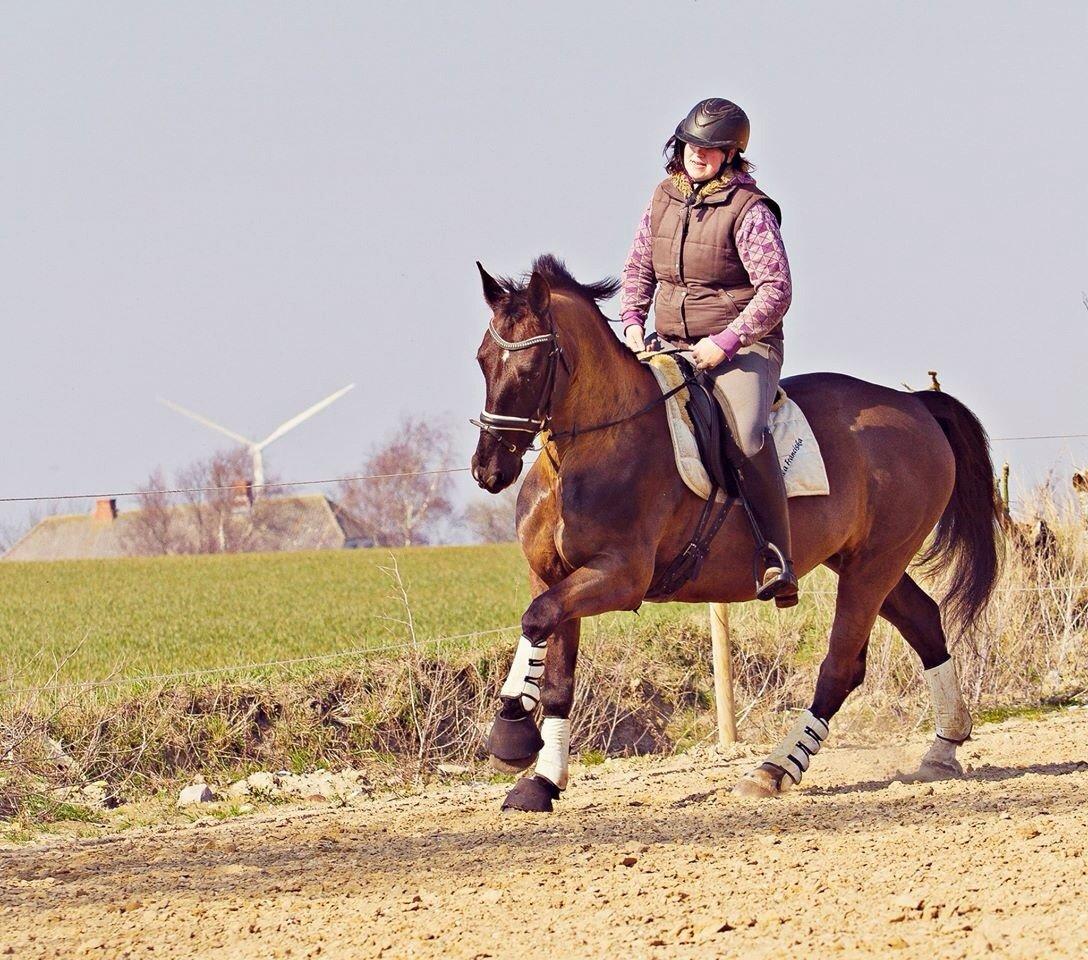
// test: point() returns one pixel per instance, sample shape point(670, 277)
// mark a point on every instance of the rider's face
point(701, 163)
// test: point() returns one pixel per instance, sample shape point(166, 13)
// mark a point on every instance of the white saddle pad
point(802, 463)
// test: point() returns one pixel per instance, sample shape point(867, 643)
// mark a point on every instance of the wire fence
point(230, 486)
point(368, 651)
point(364, 652)
point(172, 491)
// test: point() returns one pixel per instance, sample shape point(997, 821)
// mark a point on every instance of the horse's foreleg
point(858, 603)
point(918, 618)
point(549, 779)
point(543, 672)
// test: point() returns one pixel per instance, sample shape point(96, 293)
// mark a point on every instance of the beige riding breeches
point(748, 383)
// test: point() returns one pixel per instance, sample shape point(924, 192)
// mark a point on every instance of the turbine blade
point(210, 424)
point(305, 415)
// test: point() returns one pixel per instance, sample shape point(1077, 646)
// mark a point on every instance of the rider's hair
point(674, 158)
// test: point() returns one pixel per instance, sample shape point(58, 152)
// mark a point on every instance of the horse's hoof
point(933, 771)
point(759, 784)
point(531, 795)
point(514, 740)
point(511, 766)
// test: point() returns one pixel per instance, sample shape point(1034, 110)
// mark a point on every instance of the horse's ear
point(493, 291)
point(540, 294)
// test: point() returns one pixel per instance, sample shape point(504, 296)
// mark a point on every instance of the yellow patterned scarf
point(685, 187)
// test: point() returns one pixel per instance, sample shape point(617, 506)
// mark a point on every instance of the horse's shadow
point(987, 773)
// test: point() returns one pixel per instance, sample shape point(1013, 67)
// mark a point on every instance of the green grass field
point(142, 616)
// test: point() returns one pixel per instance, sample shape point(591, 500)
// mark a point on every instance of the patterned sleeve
point(639, 280)
point(759, 243)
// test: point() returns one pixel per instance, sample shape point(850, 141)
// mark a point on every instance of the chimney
point(105, 510)
point(241, 494)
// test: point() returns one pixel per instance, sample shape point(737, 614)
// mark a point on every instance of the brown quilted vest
point(701, 282)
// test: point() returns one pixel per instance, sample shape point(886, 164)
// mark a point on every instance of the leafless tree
point(213, 513)
point(493, 520)
point(409, 505)
point(156, 528)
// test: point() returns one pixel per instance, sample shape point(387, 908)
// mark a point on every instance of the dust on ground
point(643, 858)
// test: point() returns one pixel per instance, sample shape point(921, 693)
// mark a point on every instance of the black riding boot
point(761, 478)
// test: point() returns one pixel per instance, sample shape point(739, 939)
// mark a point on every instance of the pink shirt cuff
point(631, 319)
point(728, 341)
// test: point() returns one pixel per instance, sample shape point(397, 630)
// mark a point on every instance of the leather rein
point(688, 563)
point(494, 423)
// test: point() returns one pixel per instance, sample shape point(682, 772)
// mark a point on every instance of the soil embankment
point(644, 858)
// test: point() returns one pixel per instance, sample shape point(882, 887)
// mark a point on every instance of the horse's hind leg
point(537, 792)
point(918, 618)
point(863, 585)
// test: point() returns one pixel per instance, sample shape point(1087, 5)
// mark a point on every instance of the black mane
point(555, 271)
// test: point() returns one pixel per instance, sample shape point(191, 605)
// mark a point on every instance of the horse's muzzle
point(492, 481)
point(493, 476)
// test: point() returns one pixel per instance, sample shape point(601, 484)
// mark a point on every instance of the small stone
point(628, 861)
point(262, 780)
point(710, 930)
point(196, 793)
point(238, 789)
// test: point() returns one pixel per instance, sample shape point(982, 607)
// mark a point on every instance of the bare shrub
point(493, 520)
point(403, 510)
point(157, 528)
point(213, 513)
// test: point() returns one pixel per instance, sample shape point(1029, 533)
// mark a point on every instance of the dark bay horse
point(601, 511)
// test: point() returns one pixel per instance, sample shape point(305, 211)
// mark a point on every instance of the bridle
point(494, 423)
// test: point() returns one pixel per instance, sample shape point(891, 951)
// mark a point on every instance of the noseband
point(494, 423)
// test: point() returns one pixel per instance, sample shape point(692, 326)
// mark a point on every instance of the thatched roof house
point(311, 522)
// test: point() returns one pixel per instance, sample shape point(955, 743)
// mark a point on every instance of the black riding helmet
point(715, 123)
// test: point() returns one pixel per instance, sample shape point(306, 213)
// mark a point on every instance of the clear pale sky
point(245, 206)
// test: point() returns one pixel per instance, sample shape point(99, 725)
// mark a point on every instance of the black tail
point(968, 536)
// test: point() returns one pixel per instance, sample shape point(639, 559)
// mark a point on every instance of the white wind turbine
point(256, 447)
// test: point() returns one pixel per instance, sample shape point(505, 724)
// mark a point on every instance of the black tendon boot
point(761, 477)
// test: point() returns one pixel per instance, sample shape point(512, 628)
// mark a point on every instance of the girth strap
point(688, 564)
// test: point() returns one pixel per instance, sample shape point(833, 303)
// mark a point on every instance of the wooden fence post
point(722, 659)
point(1003, 491)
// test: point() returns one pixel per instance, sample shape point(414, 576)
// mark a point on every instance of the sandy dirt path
point(644, 858)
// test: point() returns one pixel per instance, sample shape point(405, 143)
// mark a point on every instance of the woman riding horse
point(709, 243)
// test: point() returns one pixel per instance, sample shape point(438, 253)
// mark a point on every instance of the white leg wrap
point(953, 719)
point(525, 673)
point(553, 762)
point(800, 745)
